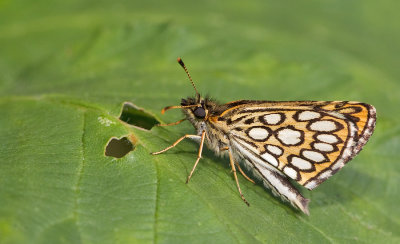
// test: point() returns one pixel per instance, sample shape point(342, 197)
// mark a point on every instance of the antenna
point(180, 61)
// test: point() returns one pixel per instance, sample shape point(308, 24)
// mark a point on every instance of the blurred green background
point(68, 66)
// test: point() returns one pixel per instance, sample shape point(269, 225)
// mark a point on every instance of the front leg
point(195, 137)
point(203, 136)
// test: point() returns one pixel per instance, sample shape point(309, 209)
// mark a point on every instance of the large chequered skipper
point(306, 141)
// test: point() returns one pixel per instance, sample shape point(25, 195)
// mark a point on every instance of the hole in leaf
point(136, 116)
point(118, 148)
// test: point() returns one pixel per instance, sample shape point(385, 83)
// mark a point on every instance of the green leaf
point(66, 69)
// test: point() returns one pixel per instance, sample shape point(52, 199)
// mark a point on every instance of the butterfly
point(280, 142)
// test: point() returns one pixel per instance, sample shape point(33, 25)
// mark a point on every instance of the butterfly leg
point(240, 169)
point(236, 179)
point(245, 176)
point(176, 143)
point(203, 136)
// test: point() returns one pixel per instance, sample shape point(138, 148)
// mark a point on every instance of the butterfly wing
point(306, 141)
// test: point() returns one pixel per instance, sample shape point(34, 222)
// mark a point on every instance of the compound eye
point(200, 112)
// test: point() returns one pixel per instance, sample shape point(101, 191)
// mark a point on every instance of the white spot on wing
point(328, 138)
point(289, 137)
point(272, 119)
point(275, 150)
point(323, 147)
point(308, 115)
point(338, 165)
point(258, 133)
point(289, 171)
point(314, 156)
point(301, 163)
point(326, 174)
point(311, 185)
point(323, 125)
point(270, 159)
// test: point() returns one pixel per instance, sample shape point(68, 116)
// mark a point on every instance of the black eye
point(199, 112)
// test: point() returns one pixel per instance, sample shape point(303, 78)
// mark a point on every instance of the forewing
point(307, 141)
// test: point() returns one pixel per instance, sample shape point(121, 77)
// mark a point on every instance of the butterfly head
point(195, 108)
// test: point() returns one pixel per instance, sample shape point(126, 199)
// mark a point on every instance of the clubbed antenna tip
point(180, 61)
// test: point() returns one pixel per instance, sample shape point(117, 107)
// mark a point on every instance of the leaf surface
point(66, 69)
